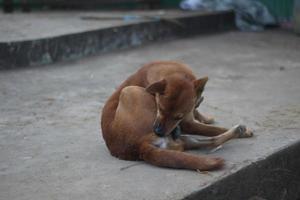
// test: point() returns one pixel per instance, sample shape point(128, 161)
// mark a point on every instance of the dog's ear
point(200, 84)
point(157, 87)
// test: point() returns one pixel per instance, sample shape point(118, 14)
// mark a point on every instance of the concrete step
point(51, 145)
point(44, 38)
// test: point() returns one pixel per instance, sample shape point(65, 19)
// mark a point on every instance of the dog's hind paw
point(243, 132)
point(214, 163)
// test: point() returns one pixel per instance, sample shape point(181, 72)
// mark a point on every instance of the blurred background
point(282, 9)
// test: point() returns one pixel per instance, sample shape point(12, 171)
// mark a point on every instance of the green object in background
point(38, 5)
point(170, 3)
point(296, 20)
point(281, 9)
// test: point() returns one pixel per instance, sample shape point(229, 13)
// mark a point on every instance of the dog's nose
point(158, 130)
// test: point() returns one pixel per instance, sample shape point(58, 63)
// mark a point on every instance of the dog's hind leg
point(193, 127)
point(202, 118)
point(177, 159)
point(192, 142)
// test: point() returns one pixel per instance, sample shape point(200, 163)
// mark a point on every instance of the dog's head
point(175, 98)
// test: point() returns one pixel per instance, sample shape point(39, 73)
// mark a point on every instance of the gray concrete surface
point(29, 26)
point(50, 141)
point(37, 39)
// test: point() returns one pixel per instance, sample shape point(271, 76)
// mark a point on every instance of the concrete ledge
point(71, 46)
point(51, 148)
point(276, 177)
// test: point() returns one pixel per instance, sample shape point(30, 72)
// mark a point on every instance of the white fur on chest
point(161, 142)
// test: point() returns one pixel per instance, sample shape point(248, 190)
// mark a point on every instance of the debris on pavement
point(250, 15)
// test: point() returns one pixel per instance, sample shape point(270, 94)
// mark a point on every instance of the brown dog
point(140, 120)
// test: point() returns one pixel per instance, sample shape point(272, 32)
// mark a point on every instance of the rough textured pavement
point(38, 25)
point(50, 143)
point(45, 38)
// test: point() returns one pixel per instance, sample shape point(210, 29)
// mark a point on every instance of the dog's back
point(140, 120)
point(119, 145)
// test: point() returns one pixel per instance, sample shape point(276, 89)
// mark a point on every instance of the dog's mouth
point(159, 130)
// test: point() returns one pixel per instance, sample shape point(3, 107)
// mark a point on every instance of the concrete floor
point(30, 26)
point(50, 141)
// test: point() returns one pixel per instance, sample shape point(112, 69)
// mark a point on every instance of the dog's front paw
point(243, 132)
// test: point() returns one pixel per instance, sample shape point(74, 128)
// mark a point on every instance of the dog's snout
point(158, 129)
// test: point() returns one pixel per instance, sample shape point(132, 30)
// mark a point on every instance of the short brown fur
point(154, 101)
